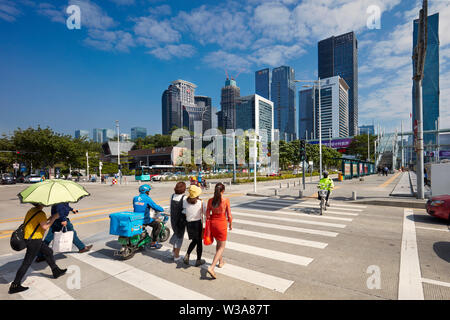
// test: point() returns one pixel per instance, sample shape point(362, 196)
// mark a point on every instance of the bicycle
point(323, 195)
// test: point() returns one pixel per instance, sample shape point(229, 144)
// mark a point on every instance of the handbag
point(17, 241)
point(62, 241)
point(207, 239)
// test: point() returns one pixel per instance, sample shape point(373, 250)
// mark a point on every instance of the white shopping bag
point(62, 241)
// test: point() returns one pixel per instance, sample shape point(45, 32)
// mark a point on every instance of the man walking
point(63, 209)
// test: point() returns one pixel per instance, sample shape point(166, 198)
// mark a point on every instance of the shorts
point(175, 241)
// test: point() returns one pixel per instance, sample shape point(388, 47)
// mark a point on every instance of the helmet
point(325, 174)
point(144, 188)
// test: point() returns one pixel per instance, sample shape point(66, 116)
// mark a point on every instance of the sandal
point(186, 259)
point(221, 264)
point(212, 273)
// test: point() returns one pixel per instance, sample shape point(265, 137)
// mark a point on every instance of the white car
point(157, 177)
point(33, 178)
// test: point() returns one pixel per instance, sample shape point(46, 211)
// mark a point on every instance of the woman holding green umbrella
point(46, 193)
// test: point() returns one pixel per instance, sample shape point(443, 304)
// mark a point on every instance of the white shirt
point(193, 212)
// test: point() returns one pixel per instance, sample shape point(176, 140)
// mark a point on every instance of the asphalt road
point(278, 249)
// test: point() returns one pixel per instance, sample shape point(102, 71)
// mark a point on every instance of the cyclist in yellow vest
point(326, 183)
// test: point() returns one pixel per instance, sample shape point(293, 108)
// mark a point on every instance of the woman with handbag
point(219, 214)
point(193, 209)
point(177, 219)
point(36, 224)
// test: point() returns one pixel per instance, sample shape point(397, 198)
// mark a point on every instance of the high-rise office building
point(97, 135)
point(178, 106)
point(257, 113)
point(430, 82)
point(229, 95)
point(338, 56)
point(262, 83)
point(367, 129)
point(334, 108)
point(283, 97)
point(306, 116)
point(138, 132)
point(214, 118)
point(108, 134)
point(203, 104)
point(81, 134)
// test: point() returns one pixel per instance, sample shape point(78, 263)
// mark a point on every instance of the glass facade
point(254, 113)
point(283, 97)
point(229, 96)
point(430, 82)
point(369, 129)
point(306, 114)
point(339, 56)
point(138, 132)
point(204, 105)
point(262, 83)
point(81, 133)
point(97, 135)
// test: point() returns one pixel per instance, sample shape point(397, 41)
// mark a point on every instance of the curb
point(389, 203)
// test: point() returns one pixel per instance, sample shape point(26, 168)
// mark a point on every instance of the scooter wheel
point(163, 236)
point(127, 253)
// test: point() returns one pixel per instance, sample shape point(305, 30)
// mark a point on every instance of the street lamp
point(118, 151)
point(317, 82)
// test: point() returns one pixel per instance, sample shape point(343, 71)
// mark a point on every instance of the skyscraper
point(138, 132)
point(262, 83)
point(97, 135)
point(108, 134)
point(178, 106)
point(306, 115)
point(256, 112)
point(205, 111)
point(430, 82)
point(229, 95)
point(283, 97)
point(338, 56)
point(81, 133)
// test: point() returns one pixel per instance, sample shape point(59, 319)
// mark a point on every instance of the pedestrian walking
point(193, 209)
point(33, 233)
point(219, 213)
point(386, 170)
point(63, 210)
point(177, 219)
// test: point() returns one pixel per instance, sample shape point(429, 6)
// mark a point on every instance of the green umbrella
point(50, 192)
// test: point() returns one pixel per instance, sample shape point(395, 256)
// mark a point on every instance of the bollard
point(288, 185)
point(280, 185)
point(300, 194)
point(354, 195)
point(276, 192)
point(294, 183)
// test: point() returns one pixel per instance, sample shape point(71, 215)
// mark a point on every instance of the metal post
point(401, 135)
point(320, 136)
point(233, 135)
point(87, 165)
point(118, 153)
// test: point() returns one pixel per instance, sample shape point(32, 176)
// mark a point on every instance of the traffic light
point(302, 150)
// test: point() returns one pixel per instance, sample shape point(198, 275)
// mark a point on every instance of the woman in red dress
point(218, 211)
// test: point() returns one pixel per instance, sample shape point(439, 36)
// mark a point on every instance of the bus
point(145, 173)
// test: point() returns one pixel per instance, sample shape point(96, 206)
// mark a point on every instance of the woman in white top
point(193, 209)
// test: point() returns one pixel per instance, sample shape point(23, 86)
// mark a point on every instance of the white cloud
point(276, 55)
point(9, 11)
point(123, 2)
point(151, 31)
point(92, 16)
point(170, 51)
point(50, 11)
point(227, 61)
point(110, 40)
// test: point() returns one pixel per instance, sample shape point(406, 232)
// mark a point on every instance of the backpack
point(178, 219)
point(17, 240)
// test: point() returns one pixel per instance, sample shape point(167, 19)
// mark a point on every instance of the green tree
point(358, 147)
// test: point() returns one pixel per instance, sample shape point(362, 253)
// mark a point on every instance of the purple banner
point(444, 153)
point(335, 143)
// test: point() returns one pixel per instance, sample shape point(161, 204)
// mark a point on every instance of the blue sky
point(128, 51)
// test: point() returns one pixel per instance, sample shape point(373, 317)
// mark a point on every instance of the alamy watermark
point(74, 20)
point(374, 19)
point(374, 281)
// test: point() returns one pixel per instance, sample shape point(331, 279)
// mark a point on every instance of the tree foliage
point(358, 147)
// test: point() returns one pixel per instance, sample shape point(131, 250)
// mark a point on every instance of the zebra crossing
point(283, 223)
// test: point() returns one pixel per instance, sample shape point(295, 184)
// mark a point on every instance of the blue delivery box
point(126, 224)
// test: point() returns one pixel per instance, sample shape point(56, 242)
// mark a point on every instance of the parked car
point(157, 177)
point(8, 178)
point(439, 207)
point(33, 178)
point(20, 179)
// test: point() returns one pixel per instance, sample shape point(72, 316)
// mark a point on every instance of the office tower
point(283, 97)
point(124, 137)
point(430, 82)
point(262, 83)
point(108, 134)
point(203, 105)
point(81, 133)
point(177, 104)
point(368, 129)
point(338, 56)
point(214, 118)
point(257, 113)
point(97, 135)
point(138, 132)
point(334, 108)
point(229, 95)
point(306, 115)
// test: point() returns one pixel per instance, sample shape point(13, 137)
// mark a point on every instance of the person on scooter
point(143, 203)
point(326, 183)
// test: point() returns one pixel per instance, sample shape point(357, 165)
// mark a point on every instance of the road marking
point(433, 229)
point(40, 288)
point(308, 204)
point(303, 215)
point(340, 205)
point(296, 241)
point(287, 228)
point(410, 279)
point(318, 223)
point(145, 281)
point(388, 181)
point(438, 283)
point(251, 276)
point(318, 206)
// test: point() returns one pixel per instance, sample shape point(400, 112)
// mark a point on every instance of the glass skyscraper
point(229, 95)
point(256, 112)
point(138, 132)
point(283, 97)
point(204, 103)
point(306, 114)
point(430, 82)
point(81, 134)
point(262, 83)
point(338, 56)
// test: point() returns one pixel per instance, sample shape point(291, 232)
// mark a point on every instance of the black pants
point(194, 230)
point(34, 247)
point(156, 229)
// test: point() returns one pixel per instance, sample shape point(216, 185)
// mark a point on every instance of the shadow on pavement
point(442, 249)
point(427, 219)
